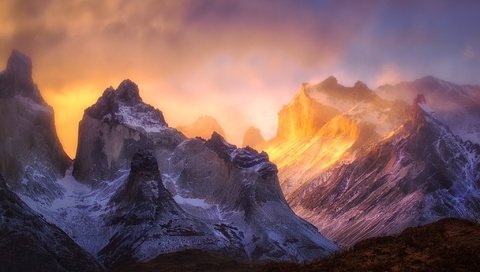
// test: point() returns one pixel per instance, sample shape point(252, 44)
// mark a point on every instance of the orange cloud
point(236, 60)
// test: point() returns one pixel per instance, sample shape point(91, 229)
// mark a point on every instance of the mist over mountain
point(139, 189)
point(253, 137)
point(458, 106)
point(375, 166)
point(203, 127)
point(351, 162)
point(418, 175)
point(327, 123)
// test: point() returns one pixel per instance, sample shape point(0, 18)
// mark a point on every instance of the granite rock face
point(31, 156)
point(113, 129)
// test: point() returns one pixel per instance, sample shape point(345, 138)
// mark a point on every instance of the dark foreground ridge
point(446, 245)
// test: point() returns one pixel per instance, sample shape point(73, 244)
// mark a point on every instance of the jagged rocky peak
point(241, 157)
point(334, 90)
point(123, 105)
point(144, 182)
point(128, 92)
point(420, 173)
point(114, 129)
point(17, 78)
point(329, 82)
point(32, 157)
point(303, 116)
point(218, 144)
point(420, 99)
point(422, 113)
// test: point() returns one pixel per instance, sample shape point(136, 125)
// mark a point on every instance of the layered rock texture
point(358, 165)
point(418, 175)
point(325, 124)
point(137, 190)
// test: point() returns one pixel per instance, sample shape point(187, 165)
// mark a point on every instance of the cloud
point(219, 55)
point(237, 60)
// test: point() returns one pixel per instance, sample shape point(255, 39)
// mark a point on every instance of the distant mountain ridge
point(203, 127)
point(346, 175)
point(347, 159)
point(458, 106)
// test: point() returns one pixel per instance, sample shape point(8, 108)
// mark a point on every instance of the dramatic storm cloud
point(236, 60)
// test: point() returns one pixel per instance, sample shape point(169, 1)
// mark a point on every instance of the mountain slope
point(326, 124)
point(419, 174)
point(29, 243)
point(31, 156)
point(142, 211)
point(446, 245)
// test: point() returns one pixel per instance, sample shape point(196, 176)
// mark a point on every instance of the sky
point(236, 60)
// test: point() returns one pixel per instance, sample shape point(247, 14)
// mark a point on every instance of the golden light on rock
point(310, 136)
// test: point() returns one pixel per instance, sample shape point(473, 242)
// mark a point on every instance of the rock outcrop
point(113, 129)
point(31, 156)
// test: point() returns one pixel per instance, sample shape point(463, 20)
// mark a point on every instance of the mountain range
point(347, 164)
point(358, 165)
point(138, 189)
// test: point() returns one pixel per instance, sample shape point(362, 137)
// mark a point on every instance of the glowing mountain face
point(323, 148)
point(302, 117)
point(422, 173)
point(325, 124)
point(300, 160)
